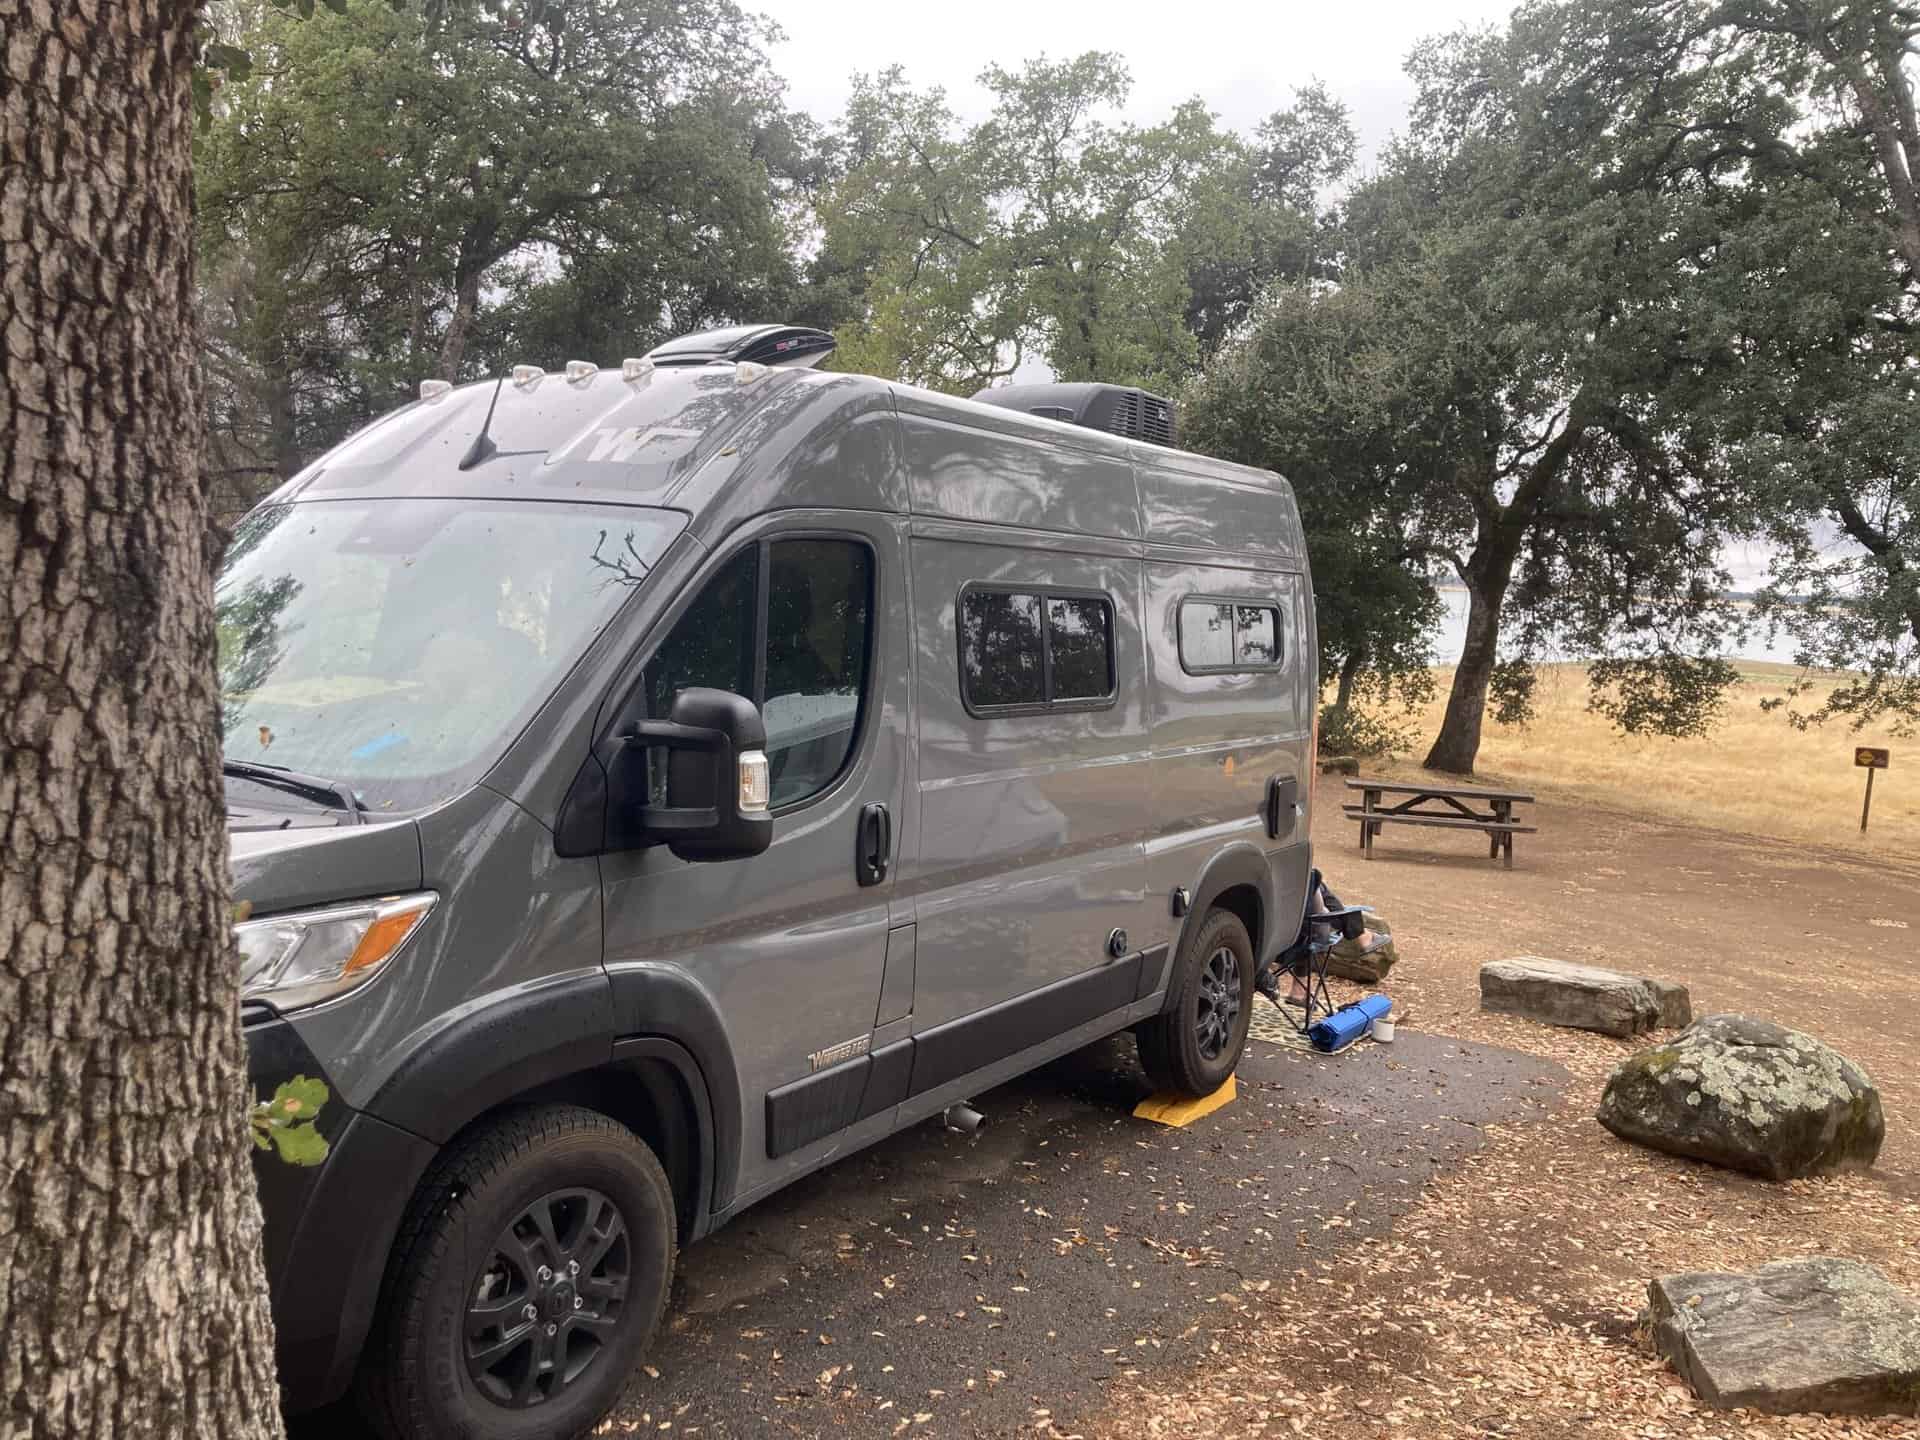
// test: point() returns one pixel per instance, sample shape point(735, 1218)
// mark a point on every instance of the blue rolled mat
point(1348, 1023)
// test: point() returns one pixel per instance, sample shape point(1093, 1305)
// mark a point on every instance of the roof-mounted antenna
point(483, 448)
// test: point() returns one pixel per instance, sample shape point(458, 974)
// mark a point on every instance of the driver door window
point(789, 625)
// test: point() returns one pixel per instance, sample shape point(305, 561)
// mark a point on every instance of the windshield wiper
point(326, 793)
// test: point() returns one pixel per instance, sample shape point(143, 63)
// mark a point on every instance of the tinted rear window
point(1034, 649)
point(1228, 635)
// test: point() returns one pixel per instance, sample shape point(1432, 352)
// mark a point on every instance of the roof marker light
point(748, 371)
point(634, 368)
point(432, 390)
point(526, 376)
point(578, 370)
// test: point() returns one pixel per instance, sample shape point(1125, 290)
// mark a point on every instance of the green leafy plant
point(285, 1123)
point(1364, 734)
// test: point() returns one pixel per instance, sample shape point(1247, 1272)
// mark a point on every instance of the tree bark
point(466, 302)
point(133, 1300)
point(1502, 532)
point(283, 421)
point(1349, 673)
point(1457, 745)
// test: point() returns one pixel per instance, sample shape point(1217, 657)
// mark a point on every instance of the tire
point(1193, 1045)
point(539, 1188)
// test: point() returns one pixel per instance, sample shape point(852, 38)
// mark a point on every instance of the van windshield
point(397, 645)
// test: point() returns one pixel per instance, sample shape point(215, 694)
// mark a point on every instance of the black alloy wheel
point(527, 1279)
point(548, 1298)
point(1219, 1005)
point(1194, 1043)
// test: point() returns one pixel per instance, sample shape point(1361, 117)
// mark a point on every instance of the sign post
point(1869, 759)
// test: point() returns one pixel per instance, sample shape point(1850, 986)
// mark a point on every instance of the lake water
point(1452, 638)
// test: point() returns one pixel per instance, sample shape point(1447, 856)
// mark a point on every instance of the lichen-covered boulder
point(1367, 960)
point(1749, 1095)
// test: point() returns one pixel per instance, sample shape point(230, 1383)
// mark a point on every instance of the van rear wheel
point(1193, 1045)
point(525, 1285)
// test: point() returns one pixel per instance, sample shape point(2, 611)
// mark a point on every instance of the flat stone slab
point(1579, 997)
point(1675, 1002)
point(1795, 1336)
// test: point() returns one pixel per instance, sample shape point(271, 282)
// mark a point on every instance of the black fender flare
point(507, 1046)
point(654, 1000)
point(517, 1043)
point(674, 1056)
point(1240, 863)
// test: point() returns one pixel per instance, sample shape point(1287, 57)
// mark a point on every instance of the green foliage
point(392, 192)
point(1802, 114)
point(1512, 688)
point(1662, 695)
point(1364, 733)
point(285, 1123)
point(1521, 369)
point(1307, 392)
point(1046, 230)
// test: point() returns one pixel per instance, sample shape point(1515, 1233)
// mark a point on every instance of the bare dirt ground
point(1504, 1303)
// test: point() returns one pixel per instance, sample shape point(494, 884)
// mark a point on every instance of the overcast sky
point(1244, 59)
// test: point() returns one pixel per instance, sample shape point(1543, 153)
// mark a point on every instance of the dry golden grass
point(1754, 774)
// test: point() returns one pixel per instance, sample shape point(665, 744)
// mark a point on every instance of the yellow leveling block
point(1167, 1108)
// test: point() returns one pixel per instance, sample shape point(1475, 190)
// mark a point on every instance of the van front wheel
point(525, 1284)
point(1192, 1046)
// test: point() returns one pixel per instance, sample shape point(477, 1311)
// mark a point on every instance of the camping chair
point(1306, 958)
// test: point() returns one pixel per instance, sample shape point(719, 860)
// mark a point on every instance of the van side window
point(1226, 635)
point(712, 645)
point(800, 653)
point(1030, 650)
point(1256, 638)
point(1002, 651)
point(1206, 635)
point(819, 629)
point(1080, 636)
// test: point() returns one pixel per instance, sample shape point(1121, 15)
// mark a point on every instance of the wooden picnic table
point(1443, 806)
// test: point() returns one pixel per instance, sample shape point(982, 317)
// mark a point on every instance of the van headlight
point(307, 956)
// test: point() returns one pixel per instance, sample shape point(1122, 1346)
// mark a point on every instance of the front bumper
point(328, 1228)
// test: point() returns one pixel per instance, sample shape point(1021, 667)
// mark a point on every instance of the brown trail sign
point(1870, 759)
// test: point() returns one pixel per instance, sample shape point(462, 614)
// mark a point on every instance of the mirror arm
point(661, 820)
point(669, 736)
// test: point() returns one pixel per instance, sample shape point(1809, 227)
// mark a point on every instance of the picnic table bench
point(1449, 807)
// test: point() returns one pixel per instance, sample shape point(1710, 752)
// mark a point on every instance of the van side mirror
point(718, 781)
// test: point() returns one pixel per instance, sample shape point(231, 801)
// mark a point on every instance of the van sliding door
point(1032, 706)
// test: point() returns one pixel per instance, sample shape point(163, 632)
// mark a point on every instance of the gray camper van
point(649, 784)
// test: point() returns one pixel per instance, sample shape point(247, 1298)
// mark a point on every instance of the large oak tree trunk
point(132, 1298)
point(1457, 745)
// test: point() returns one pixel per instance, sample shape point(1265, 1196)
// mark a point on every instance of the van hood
point(292, 869)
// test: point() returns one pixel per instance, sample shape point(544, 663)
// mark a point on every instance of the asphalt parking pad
point(971, 1283)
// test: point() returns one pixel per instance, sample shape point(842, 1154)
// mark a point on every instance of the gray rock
point(1365, 962)
point(1676, 1004)
point(1580, 997)
point(1798, 1335)
point(1749, 1095)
